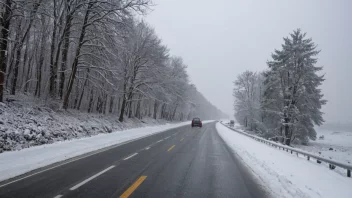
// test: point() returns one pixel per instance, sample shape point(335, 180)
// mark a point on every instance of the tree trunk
point(118, 104)
point(41, 61)
point(53, 67)
point(97, 108)
point(75, 62)
point(63, 67)
point(138, 109)
point(11, 51)
point(75, 103)
point(29, 72)
point(287, 138)
point(15, 73)
point(80, 98)
point(39, 80)
point(5, 23)
point(84, 85)
point(149, 109)
point(174, 113)
point(64, 54)
point(105, 98)
point(90, 105)
point(130, 109)
point(163, 112)
point(155, 109)
point(25, 60)
point(111, 104)
point(122, 111)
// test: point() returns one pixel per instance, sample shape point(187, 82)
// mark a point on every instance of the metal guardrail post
point(332, 167)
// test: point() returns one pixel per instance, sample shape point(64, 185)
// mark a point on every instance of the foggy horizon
point(220, 42)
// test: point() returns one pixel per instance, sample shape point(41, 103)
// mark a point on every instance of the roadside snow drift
point(283, 174)
point(29, 122)
point(15, 163)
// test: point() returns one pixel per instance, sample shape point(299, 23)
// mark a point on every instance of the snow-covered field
point(15, 163)
point(29, 121)
point(336, 145)
point(283, 174)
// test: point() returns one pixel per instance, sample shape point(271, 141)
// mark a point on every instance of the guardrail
point(332, 163)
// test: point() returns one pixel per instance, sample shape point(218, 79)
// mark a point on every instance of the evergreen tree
point(292, 97)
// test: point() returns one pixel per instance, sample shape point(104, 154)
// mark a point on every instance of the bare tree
point(6, 14)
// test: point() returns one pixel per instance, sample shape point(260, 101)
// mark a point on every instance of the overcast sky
point(220, 39)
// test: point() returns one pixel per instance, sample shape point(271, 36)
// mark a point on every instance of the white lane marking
point(58, 196)
point(151, 145)
point(167, 138)
point(92, 177)
point(147, 148)
point(159, 141)
point(134, 154)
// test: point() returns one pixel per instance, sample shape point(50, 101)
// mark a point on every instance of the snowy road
point(181, 162)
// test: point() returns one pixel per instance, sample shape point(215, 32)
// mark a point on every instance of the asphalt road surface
point(182, 162)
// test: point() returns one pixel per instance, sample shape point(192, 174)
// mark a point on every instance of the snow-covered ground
point(283, 174)
point(15, 163)
point(336, 145)
point(29, 121)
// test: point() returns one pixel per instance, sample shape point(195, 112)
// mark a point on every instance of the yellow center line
point(132, 188)
point(182, 139)
point(171, 148)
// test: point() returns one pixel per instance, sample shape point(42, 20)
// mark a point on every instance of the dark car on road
point(232, 123)
point(196, 122)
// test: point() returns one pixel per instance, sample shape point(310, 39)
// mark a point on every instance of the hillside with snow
point(28, 121)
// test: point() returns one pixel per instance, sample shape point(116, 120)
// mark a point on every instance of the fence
point(332, 163)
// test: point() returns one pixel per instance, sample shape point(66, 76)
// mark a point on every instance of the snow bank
point(336, 144)
point(15, 163)
point(29, 121)
point(284, 174)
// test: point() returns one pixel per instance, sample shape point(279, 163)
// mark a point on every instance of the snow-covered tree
point(248, 94)
point(292, 97)
point(95, 56)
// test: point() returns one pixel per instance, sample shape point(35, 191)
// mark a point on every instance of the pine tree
point(292, 95)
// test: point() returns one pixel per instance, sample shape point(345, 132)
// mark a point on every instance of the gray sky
point(220, 39)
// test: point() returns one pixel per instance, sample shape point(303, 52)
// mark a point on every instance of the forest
point(96, 56)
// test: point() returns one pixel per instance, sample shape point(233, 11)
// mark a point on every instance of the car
point(232, 123)
point(196, 122)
